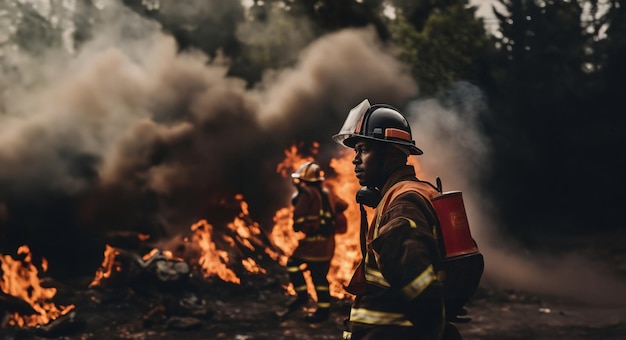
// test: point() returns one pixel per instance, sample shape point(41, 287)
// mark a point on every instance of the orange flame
point(20, 279)
point(106, 268)
point(247, 233)
point(250, 265)
point(212, 261)
point(347, 250)
point(294, 158)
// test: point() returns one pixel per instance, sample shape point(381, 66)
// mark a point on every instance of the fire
point(248, 234)
point(345, 185)
point(283, 234)
point(20, 279)
point(107, 267)
point(347, 250)
point(294, 158)
point(212, 261)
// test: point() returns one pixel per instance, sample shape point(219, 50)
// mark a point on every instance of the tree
point(440, 41)
point(542, 87)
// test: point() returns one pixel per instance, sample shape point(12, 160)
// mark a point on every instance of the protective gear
point(378, 122)
point(396, 287)
point(309, 172)
point(368, 196)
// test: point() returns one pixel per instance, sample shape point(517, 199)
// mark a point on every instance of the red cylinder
point(455, 230)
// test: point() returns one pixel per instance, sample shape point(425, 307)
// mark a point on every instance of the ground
point(240, 315)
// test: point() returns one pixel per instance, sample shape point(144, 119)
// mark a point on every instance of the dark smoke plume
point(129, 134)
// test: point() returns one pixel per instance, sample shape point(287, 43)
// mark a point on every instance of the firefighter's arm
point(304, 216)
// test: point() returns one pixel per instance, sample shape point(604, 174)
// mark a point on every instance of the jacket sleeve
point(406, 249)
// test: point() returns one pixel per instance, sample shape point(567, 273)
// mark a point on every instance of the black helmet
point(378, 122)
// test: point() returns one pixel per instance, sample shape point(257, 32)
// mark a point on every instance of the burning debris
point(21, 286)
point(159, 264)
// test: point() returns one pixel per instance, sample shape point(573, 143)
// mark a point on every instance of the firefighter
point(314, 214)
point(397, 291)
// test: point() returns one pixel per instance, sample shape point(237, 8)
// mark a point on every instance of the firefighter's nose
point(356, 159)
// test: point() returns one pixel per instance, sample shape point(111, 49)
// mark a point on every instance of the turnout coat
point(314, 213)
point(396, 283)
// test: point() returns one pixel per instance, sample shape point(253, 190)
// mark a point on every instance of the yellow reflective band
point(315, 238)
point(299, 220)
point(375, 276)
point(300, 288)
point(346, 335)
point(411, 222)
point(321, 288)
point(317, 258)
point(371, 317)
point(312, 217)
point(293, 269)
point(417, 286)
point(323, 304)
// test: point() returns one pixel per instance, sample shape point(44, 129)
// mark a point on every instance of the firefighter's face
point(369, 163)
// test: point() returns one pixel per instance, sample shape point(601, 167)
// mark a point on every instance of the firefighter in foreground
point(398, 293)
point(315, 211)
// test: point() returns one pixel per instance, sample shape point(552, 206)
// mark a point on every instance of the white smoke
point(456, 150)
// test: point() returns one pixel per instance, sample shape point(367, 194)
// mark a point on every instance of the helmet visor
point(352, 122)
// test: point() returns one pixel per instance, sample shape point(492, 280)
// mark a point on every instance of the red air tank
point(455, 229)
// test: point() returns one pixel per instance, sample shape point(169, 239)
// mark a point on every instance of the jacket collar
point(407, 172)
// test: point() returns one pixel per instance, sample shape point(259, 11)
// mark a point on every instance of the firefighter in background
point(315, 210)
point(397, 291)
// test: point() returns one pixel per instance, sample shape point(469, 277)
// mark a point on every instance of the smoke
point(455, 149)
point(130, 134)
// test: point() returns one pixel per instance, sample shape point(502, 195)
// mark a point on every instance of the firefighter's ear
point(368, 196)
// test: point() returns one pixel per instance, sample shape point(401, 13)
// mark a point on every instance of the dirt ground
point(249, 314)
